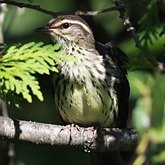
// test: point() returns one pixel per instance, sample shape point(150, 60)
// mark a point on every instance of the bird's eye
point(65, 25)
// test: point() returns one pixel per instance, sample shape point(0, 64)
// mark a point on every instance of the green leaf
point(20, 64)
point(149, 23)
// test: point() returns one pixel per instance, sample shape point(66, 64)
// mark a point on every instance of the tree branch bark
point(101, 139)
point(30, 6)
point(55, 13)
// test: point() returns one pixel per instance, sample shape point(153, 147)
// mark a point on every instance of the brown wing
point(115, 56)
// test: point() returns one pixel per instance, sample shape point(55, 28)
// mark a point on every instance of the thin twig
point(96, 12)
point(38, 8)
point(4, 108)
point(3, 10)
point(3, 103)
point(103, 139)
point(127, 23)
point(30, 6)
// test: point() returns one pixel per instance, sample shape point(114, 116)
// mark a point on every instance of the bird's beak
point(44, 29)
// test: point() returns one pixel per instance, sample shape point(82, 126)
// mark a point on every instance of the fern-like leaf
point(20, 63)
point(149, 24)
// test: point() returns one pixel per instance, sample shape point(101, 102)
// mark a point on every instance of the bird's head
point(66, 29)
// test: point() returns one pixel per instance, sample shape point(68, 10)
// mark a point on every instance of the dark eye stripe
point(61, 26)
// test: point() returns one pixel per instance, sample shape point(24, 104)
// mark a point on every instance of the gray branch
point(102, 139)
point(96, 12)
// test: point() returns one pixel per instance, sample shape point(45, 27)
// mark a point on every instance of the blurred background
point(145, 74)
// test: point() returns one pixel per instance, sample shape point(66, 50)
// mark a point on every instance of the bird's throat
point(87, 66)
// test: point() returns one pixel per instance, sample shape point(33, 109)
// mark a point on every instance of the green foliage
point(149, 23)
point(20, 64)
point(149, 119)
point(147, 87)
point(150, 28)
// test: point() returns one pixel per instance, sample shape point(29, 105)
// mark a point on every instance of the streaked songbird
point(92, 90)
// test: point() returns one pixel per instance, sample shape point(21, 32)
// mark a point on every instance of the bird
point(93, 89)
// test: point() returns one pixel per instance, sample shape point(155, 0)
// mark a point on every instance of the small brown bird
point(93, 90)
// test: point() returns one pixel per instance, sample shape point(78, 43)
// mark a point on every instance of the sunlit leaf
point(20, 63)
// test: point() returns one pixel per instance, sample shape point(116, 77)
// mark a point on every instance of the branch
point(30, 6)
point(3, 10)
point(102, 139)
point(127, 23)
point(96, 12)
point(38, 8)
point(119, 6)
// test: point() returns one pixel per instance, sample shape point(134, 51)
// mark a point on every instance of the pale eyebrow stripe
point(74, 22)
